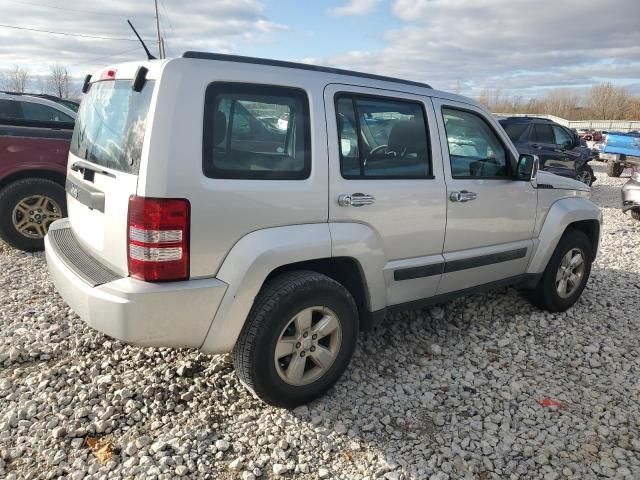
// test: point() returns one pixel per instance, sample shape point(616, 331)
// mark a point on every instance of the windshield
point(111, 123)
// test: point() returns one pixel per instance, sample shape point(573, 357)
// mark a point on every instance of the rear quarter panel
point(223, 211)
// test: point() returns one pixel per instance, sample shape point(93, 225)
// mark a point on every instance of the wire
point(166, 14)
point(93, 12)
point(106, 56)
point(72, 34)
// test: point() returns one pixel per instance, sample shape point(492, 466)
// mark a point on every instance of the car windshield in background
point(111, 123)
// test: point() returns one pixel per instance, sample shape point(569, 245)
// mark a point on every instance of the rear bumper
point(172, 314)
point(630, 195)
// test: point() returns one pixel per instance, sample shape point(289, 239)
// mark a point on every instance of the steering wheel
point(380, 148)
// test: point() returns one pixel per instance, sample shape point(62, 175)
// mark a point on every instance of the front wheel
point(298, 338)
point(566, 274)
point(635, 214)
point(27, 208)
point(585, 175)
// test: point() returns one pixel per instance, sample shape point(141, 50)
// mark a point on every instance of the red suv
point(35, 134)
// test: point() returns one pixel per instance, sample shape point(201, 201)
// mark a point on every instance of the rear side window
point(382, 138)
point(111, 124)
point(515, 130)
point(256, 132)
point(43, 113)
point(10, 110)
point(543, 133)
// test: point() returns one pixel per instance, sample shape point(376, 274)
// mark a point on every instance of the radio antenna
point(149, 56)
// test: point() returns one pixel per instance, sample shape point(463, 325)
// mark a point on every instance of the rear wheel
point(585, 175)
point(614, 169)
point(298, 338)
point(635, 214)
point(566, 274)
point(27, 209)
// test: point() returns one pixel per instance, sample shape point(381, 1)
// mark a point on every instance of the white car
point(193, 223)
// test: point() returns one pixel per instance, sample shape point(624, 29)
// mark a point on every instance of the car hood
point(559, 182)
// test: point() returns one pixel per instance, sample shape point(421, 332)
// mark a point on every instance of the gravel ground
point(482, 387)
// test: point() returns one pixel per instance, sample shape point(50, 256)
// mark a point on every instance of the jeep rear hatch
point(104, 160)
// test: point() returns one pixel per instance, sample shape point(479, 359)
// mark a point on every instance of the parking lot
point(482, 387)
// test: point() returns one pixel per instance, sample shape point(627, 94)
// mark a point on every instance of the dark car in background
point(35, 134)
point(559, 148)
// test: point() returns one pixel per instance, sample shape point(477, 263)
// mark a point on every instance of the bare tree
point(561, 102)
point(17, 79)
point(59, 81)
point(608, 102)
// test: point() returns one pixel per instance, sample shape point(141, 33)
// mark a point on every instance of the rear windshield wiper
point(82, 166)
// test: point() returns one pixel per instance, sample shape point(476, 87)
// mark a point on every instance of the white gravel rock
point(456, 391)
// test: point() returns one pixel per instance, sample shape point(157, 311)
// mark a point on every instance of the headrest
point(219, 127)
point(408, 137)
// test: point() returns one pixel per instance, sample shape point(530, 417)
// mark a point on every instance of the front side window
point(256, 132)
point(43, 113)
point(382, 138)
point(562, 137)
point(475, 151)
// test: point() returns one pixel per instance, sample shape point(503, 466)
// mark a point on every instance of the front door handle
point(355, 200)
point(462, 196)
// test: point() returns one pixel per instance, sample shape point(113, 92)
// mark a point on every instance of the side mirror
point(528, 166)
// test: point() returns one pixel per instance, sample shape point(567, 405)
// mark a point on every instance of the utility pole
point(160, 43)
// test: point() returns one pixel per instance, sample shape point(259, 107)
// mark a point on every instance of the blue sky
point(520, 47)
point(316, 33)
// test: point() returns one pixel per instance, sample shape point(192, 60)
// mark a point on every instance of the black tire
point(635, 214)
point(581, 173)
point(16, 192)
point(545, 294)
point(614, 169)
point(277, 303)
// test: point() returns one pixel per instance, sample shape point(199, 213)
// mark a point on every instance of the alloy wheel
point(308, 345)
point(33, 215)
point(570, 272)
point(585, 177)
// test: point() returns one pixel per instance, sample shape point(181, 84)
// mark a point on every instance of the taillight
point(158, 238)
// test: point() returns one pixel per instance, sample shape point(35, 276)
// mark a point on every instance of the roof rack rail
point(528, 117)
point(32, 94)
point(300, 66)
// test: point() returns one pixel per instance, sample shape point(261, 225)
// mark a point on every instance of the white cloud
point(521, 47)
point(354, 7)
point(221, 25)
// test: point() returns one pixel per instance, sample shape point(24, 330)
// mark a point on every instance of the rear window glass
point(111, 123)
point(256, 132)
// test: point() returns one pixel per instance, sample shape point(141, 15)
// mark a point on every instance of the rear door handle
point(355, 200)
point(462, 196)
